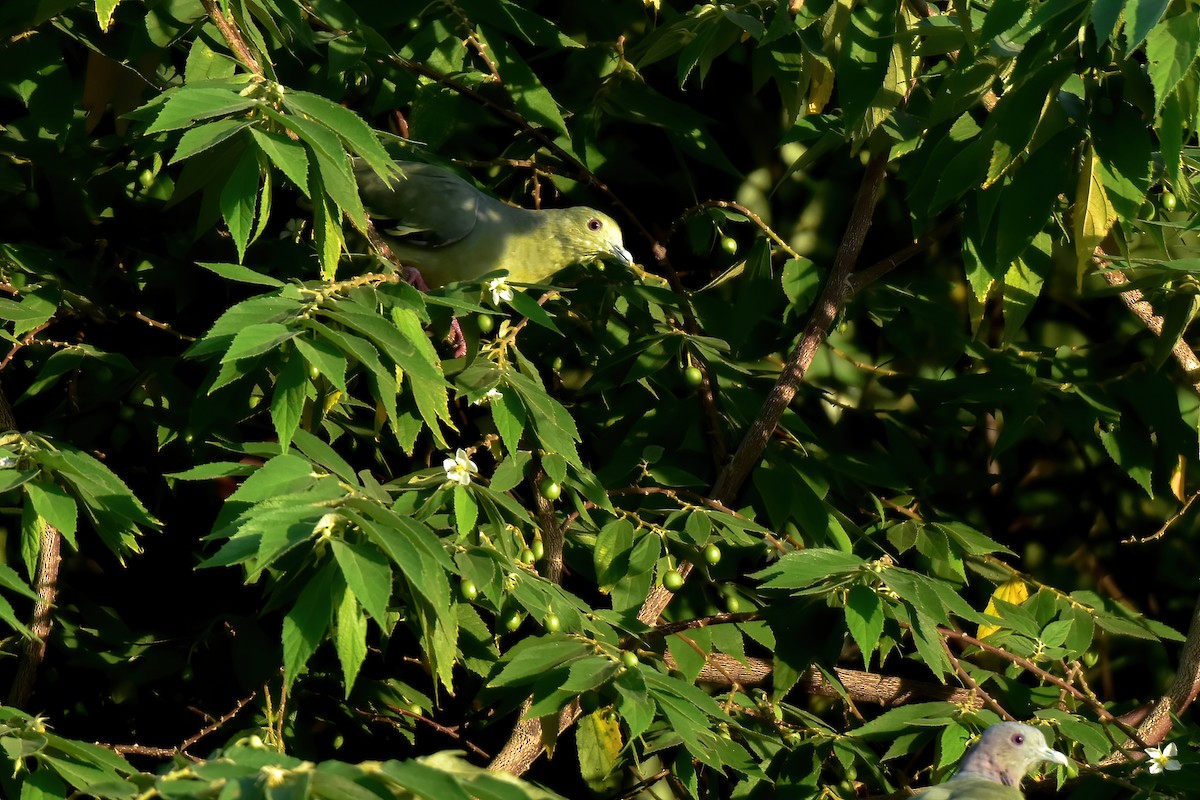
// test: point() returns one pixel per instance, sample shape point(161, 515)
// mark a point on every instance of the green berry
point(1167, 201)
point(549, 489)
point(513, 621)
point(692, 376)
point(538, 547)
point(485, 323)
point(732, 603)
point(729, 244)
point(672, 580)
point(1146, 211)
point(557, 364)
point(630, 659)
point(527, 556)
point(469, 590)
point(146, 178)
point(712, 554)
point(552, 623)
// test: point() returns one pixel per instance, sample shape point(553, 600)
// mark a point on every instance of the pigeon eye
point(593, 224)
point(1018, 739)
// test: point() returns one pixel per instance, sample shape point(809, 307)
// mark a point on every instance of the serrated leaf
point(802, 569)
point(202, 137)
point(1171, 49)
point(290, 156)
point(239, 199)
point(53, 504)
point(257, 339)
point(350, 639)
point(1092, 215)
point(864, 618)
point(240, 273)
point(348, 125)
point(305, 624)
point(866, 46)
point(1140, 18)
point(287, 400)
point(368, 575)
point(598, 744)
point(189, 104)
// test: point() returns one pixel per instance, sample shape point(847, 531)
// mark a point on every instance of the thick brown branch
point(836, 290)
point(46, 586)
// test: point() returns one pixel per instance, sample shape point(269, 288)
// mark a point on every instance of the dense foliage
point(801, 510)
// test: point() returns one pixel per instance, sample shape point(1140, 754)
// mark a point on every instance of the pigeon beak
point(1055, 757)
point(622, 255)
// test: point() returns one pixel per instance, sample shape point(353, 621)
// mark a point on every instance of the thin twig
point(453, 733)
point(234, 37)
point(181, 749)
point(973, 685)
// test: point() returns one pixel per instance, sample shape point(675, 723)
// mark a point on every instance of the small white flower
point(492, 396)
point(293, 230)
point(1163, 759)
point(500, 290)
point(460, 468)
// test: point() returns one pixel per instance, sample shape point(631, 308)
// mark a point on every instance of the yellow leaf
point(598, 740)
point(1092, 216)
point(104, 12)
point(1014, 591)
point(820, 85)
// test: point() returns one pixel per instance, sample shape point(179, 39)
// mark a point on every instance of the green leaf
point(367, 574)
point(240, 273)
point(1105, 14)
point(305, 624)
point(611, 553)
point(287, 400)
point(1123, 146)
point(802, 569)
point(509, 415)
point(54, 505)
point(526, 306)
point(466, 511)
point(1171, 48)
point(239, 198)
point(1001, 17)
point(290, 156)
point(864, 618)
point(1026, 203)
point(531, 98)
point(348, 125)
point(257, 339)
point(191, 103)
point(1140, 18)
point(350, 639)
point(1131, 449)
point(532, 657)
point(26, 315)
point(325, 358)
point(554, 427)
point(202, 137)
point(264, 308)
point(216, 469)
point(1018, 114)
point(863, 58)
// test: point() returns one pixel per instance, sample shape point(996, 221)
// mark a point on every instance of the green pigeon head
point(591, 235)
point(1005, 752)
